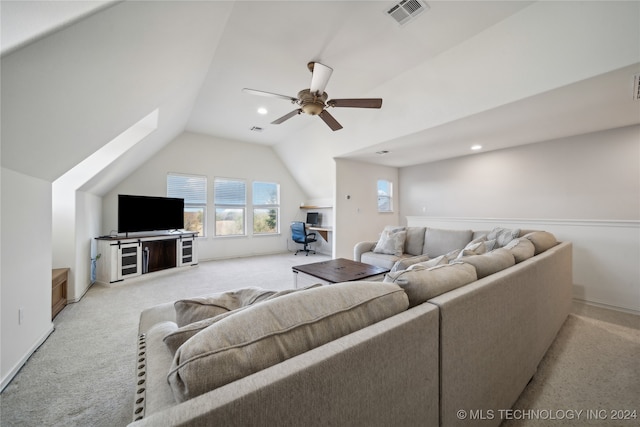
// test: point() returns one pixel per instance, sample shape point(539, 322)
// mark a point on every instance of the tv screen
point(144, 213)
point(313, 218)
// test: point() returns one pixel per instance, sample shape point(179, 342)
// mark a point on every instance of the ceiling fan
point(313, 101)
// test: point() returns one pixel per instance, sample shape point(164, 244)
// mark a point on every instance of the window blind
point(191, 188)
point(229, 192)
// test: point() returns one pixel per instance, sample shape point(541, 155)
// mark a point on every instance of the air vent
point(256, 129)
point(636, 87)
point(407, 10)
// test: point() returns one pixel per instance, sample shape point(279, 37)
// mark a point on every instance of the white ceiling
point(500, 73)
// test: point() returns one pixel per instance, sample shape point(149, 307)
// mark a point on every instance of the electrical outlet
point(20, 315)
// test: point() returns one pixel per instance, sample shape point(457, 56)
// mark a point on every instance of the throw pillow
point(422, 285)
point(503, 235)
point(521, 249)
point(441, 260)
point(473, 248)
point(268, 333)
point(405, 263)
point(178, 337)
point(391, 243)
point(203, 307)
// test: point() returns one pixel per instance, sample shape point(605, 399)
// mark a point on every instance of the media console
point(123, 258)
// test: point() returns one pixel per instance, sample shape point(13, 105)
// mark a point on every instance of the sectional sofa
point(445, 343)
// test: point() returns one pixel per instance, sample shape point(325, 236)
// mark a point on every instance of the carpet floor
point(83, 374)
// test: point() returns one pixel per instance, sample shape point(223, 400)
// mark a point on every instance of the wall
point(214, 157)
point(25, 269)
point(584, 188)
point(356, 204)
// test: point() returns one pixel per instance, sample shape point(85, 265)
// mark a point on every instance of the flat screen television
point(145, 213)
point(313, 218)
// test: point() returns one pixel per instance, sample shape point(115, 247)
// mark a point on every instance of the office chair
point(299, 235)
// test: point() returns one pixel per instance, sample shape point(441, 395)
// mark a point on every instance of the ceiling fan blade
point(356, 103)
point(320, 77)
point(330, 120)
point(269, 94)
point(286, 116)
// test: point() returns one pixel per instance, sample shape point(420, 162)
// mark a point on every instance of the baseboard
point(16, 368)
point(607, 306)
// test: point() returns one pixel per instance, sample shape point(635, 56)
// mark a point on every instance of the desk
point(324, 231)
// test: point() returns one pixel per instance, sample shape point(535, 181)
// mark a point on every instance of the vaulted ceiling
point(499, 74)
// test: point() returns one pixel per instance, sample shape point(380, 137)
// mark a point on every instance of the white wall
point(584, 188)
point(25, 269)
point(213, 157)
point(356, 204)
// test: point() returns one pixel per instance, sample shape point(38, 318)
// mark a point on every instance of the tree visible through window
point(385, 196)
point(193, 189)
point(230, 199)
point(266, 207)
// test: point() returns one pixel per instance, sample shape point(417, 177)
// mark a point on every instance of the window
point(193, 189)
point(266, 207)
point(385, 196)
point(230, 199)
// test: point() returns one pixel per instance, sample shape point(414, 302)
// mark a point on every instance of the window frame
point(388, 197)
point(269, 206)
point(230, 206)
point(190, 204)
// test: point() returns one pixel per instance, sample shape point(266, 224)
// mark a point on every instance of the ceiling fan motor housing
point(311, 103)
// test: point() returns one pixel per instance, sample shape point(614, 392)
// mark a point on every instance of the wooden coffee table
point(335, 271)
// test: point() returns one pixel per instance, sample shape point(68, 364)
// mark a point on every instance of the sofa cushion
point(440, 241)
point(391, 243)
point(491, 262)
point(268, 333)
point(206, 306)
point(521, 249)
point(415, 240)
point(503, 235)
point(542, 240)
point(404, 263)
point(179, 336)
point(381, 260)
point(422, 285)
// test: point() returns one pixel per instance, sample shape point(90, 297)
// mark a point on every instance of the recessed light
point(262, 111)
point(476, 147)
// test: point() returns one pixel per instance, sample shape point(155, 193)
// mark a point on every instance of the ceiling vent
point(636, 87)
point(407, 10)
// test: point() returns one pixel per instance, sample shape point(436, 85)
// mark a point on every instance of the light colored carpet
point(83, 374)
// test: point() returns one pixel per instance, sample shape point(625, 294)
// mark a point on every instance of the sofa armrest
point(362, 247)
point(156, 314)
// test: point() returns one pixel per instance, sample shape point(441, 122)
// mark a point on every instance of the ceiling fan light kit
point(313, 101)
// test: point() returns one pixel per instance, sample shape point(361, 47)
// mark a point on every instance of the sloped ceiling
point(496, 73)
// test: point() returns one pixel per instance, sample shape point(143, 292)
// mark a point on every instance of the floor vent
point(407, 10)
point(636, 87)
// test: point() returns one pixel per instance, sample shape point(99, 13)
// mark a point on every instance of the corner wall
point(584, 188)
point(25, 270)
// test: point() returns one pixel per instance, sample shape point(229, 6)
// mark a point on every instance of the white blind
point(191, 188)
point(229, 192)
